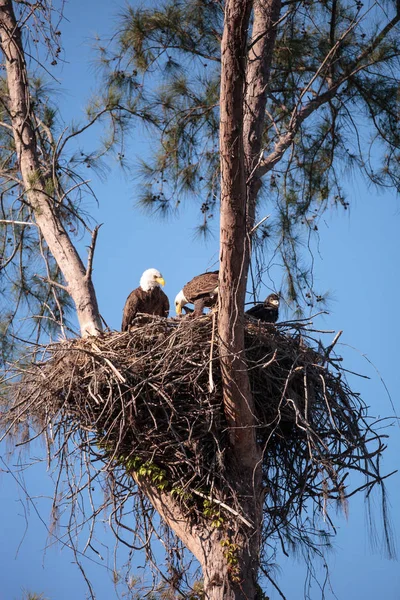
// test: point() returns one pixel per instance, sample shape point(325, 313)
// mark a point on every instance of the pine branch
point(299, 115)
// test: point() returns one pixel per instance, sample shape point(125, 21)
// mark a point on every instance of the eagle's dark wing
point(255, 311)
point(201, 286)
point(132, 307)
point(268, 314)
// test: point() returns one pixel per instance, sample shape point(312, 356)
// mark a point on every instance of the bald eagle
point(147, 298)
point(201, 291)
point(268, 311)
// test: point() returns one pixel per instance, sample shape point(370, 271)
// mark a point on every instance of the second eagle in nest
point(268, 311)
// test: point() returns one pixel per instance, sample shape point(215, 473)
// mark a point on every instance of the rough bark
point(234, 264)
point(210, 546)
point(233, 269)
point(265, 16)
point(78, 279)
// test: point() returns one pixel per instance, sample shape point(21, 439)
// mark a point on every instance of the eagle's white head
point(151, 279)
point(180, 302)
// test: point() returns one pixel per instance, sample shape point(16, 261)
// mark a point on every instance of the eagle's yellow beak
point(160, 280)
point(178, 309)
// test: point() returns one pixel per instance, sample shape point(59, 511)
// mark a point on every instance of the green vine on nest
point(231, 556)
point(213, 512)
point(147, 469)
point(158, 477)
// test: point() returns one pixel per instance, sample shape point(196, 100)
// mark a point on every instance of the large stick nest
point(153, 396)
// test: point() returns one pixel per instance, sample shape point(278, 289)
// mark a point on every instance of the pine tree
point(249, 100)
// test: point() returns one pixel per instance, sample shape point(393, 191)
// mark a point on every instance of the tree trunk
point(265, 16)
point(217, 550)
point(234, 263)
point(78, 279)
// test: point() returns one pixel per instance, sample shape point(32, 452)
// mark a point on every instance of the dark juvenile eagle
point(147, 298)
point(201, 291)
point(268, 311)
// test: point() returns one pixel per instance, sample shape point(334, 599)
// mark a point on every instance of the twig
point(22, 223)
point(51, 282)
point(210, 366)
point(259, 223)
point(91, 251)
point(120, 377)
point(225, 506)
point(329, 349)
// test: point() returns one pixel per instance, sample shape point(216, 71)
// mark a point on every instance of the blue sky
point(358, 264)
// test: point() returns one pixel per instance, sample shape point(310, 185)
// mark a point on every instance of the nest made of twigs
point(154, 396)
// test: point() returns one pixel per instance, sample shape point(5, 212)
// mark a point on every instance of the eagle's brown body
point(152, 302)
point(202, 291)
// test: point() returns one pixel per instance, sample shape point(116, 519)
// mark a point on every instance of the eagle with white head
point(202, 291)
point(148, 298)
